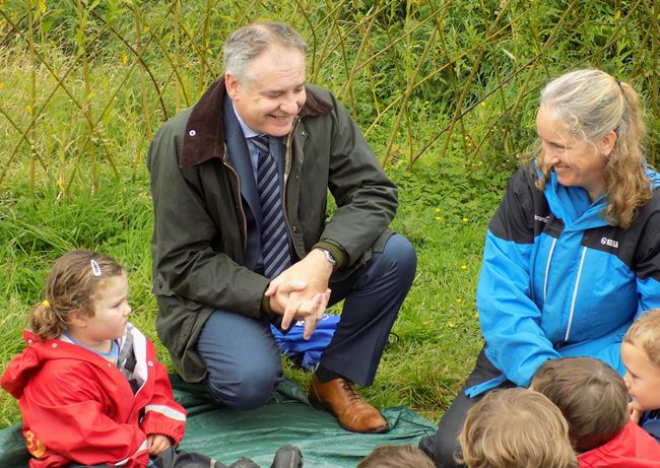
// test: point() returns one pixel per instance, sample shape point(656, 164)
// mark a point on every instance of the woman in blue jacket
point(573, 253)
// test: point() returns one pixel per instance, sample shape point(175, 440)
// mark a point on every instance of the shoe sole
point(324, 407)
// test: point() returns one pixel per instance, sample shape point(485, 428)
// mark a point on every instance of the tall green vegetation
point(445, 91)
point(85, 83)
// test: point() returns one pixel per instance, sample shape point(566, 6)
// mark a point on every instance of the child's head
point(82, 285)
point(396, 456)
point(516, 428)
point(640, 352)
point(591, 395)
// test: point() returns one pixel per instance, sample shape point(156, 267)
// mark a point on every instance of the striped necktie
point(274, 238)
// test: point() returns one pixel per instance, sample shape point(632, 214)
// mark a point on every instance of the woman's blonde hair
point(590, 104)
point(645, 333)
point(516, 428)
point(72, 282)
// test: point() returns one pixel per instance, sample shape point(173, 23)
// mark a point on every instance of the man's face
point(273, 91)
point(642, 377)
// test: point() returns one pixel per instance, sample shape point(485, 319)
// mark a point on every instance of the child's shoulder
point(40, 365)
point(650, 422)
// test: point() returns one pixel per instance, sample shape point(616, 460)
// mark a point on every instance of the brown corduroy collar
point(204, 137)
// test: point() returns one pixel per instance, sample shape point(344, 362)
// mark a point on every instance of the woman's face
point(577, 163)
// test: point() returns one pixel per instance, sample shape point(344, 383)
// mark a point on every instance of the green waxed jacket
point(200, 228)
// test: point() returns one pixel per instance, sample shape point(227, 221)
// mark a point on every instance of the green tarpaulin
point(227, 435)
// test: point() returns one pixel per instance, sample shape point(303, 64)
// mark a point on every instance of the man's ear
point(231, 85)
point(606, 144)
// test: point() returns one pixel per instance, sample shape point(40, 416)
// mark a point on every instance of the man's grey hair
point(246, 43)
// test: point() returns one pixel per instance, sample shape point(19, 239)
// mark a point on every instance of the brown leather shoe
point(353, 413)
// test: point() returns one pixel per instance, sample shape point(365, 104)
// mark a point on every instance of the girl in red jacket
point(90, 389)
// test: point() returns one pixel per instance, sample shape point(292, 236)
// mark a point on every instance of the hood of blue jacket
point(573, 207)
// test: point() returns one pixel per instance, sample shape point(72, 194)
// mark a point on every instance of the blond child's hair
point(396, 456)
point(645, 334)
point(72, 283)
point(515, 428)
point(591, 395)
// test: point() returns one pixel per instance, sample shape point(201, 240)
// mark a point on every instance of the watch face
point(329, 257)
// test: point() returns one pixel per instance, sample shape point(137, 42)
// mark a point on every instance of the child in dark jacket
point(593, 398)
point(640, 352)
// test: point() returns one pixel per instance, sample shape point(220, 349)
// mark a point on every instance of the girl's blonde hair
point(516, 428)
point(590, 104)
point(645, 333)
point(72, 282)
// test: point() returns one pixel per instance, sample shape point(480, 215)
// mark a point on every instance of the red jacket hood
point(20, 369)
point(18, 372)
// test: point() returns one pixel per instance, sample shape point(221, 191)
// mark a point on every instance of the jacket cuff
point(266, 313)
point(337, 253)
point(173, 431)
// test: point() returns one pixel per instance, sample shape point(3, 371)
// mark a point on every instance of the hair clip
point(96, 269)
point(46, 304)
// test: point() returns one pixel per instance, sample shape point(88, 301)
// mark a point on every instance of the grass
point(445, 92)
point(437, 327)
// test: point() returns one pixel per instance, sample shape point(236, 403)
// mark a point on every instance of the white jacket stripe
point(141, 448)
point(167, 411)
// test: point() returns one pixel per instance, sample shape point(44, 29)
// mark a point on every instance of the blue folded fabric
point(293, 345)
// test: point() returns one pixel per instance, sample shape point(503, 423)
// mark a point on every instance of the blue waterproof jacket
point(557, 280)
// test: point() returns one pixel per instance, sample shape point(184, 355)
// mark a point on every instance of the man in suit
point(241, 237)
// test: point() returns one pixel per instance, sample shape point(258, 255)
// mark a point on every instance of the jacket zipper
point(240, 203)
point(575, 291)
point(547, 270)
point(288, 162)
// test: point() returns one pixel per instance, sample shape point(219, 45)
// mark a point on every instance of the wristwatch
point(329, 257)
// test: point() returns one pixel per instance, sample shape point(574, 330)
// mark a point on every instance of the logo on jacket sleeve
point(609, 242)
point(34, 445)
